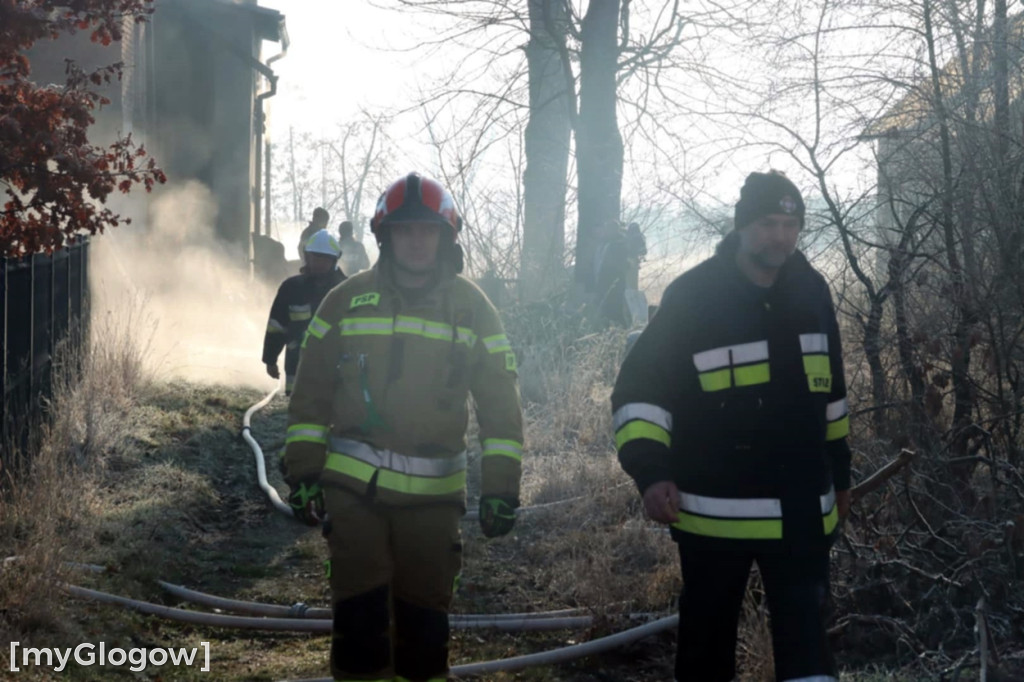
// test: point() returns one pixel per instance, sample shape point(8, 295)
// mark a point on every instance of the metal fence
point(44, 299)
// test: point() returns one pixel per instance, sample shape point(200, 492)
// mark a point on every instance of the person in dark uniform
point(731, 416)
point(297, 299)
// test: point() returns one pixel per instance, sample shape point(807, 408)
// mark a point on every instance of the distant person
point(611, 266)
point(353, 253)
point(297, 299)
point(636, 251)
point(319, 222)
point(730, 415)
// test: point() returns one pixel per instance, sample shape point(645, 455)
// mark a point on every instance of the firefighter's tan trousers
point(392, 573)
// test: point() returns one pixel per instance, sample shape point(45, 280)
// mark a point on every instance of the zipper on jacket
point(373, 419)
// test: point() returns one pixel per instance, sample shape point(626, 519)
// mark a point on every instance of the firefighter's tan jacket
point(382, 388)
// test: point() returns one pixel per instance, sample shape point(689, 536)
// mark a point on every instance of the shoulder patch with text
point(372, 298)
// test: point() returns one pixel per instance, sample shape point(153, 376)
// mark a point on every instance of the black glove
point(497, 515)
point(307, 503)
point(273, 371)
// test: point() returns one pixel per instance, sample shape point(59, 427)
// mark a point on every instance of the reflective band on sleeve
point(318, 328)
point(497, 344)
point(836, 409)
point(310, 433)
point(716, 381)
point(828, 501)
point(814, 343)
point(298, 313)
point(637, 429)
point(275, 327)
point(646, 411)
point(289, 383)
point(830, 520)
point(506, 448)
point(759, 529)
point(817, 364)
point(751, 375)
point(367, 326)
point(838, 429)
point(731, 508)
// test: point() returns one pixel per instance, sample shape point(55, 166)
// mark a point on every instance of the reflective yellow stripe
point(717, 380)
point(393, 480)
point(414, 485)
point(366, 326)
point(738, 529)
point(308, 433)
point(751, 374)
point(838, 429)
point(318, 327)
point(817, 364)
point(831, 520)
point(497, 343)
point(638, 429)
point(275, 327)
point(507, 448)
point(404, 324)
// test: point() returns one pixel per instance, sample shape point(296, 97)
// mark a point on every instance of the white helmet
point(323, 242)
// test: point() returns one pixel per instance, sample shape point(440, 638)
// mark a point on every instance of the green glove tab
point(497, 515)
point(307, 503)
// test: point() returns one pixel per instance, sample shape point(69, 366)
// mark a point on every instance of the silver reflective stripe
point(836, 409)
point(828, 500)
point(711, 359)
point(494, 343)
point(814, 343)
point(320, 434)
point(430, 467)
point(743, 353)
point(303, 308)
point(293, 345)
point(749, 352)
point(466, 336)
point(318, 327)
point(729, 508)
point(274, 324)
point(348, 326)
point(813, 678)
point(424, 327)
point(646, 411)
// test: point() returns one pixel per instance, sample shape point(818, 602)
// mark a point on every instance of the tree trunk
point(546, 141)
point(598, 141)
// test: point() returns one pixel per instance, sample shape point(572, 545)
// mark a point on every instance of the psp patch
point(372, 298)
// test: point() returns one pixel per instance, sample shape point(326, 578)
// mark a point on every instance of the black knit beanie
point(767, 193)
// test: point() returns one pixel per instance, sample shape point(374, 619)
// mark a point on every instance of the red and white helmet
point(415, 197)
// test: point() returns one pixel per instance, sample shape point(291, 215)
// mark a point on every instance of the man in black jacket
point(297, 299)
point(730, 414)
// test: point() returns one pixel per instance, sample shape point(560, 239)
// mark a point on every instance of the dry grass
point(45, 495)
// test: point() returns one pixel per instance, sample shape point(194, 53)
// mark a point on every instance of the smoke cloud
point(190, 296)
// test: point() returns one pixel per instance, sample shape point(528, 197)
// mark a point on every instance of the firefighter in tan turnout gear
point(376, 436)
